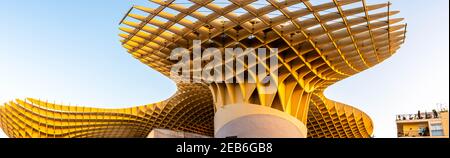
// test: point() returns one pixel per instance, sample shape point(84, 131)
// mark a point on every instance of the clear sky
point(69, 52)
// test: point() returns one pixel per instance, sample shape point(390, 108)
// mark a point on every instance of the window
point(437, 130)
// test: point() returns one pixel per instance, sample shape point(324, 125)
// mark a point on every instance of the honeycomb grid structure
point(320, 43)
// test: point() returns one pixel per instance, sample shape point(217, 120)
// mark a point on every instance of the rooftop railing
point(420, 116)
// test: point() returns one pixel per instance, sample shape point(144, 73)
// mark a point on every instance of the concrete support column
point(256, 121)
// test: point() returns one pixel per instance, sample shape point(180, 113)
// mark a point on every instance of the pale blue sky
point(69, 52)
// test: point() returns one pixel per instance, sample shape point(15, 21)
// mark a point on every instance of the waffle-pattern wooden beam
point(318, 44)
point(330, 119)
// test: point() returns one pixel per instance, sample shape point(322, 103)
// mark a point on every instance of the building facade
point(423, 125)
